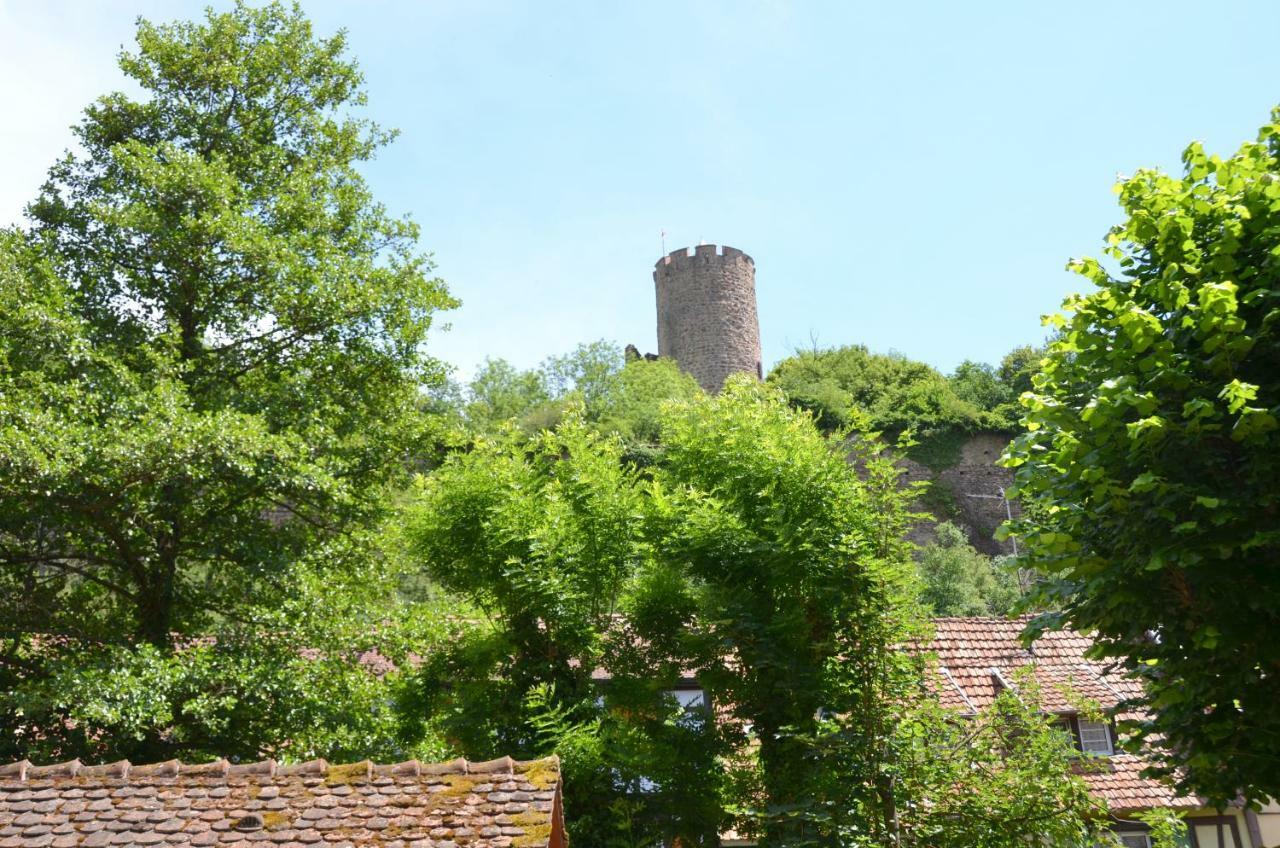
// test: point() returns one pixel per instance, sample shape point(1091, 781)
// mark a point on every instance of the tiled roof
point(978, 657)
point(497, 804)
point(1118, 780)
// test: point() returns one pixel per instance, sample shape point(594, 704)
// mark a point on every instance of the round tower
point(707, 318)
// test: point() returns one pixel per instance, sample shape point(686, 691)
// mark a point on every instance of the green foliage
point(1152, 457)
point(246, 691)
point(544, 537)
point(754, 553)
point(1167, 828)
point(996, 390)
point(892, 394)
point(588, 371)
point(210, 354)
point(893, 391)
point(616, 396)
point(955, 579)
point(632, 404)
point(1019, 367)
point(791, 561)
point(938, 449)
point(990, 779)
point(981, 385)
point(500, 392)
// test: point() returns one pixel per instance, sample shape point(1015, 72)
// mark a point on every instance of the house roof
point(979, 657)
point(497, 804)
point(1118, 780)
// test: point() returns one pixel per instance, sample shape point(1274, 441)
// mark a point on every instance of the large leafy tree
point(752, 554)
point(797, 579)
point(209, 368)
point(893, 392)
point(616, 395)
point(544, 538)
point(1151, 465)
point(997, 389)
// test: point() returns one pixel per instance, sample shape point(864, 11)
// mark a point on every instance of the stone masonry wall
point(967, 493)
point(707, 319)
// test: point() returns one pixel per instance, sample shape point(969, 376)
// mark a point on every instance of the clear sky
point(910, 176)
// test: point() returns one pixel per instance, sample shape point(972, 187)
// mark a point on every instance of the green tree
point(850, 386)
point(544, 537)
point(981, 385)
point(751, 553)
point(1018, 367)
point(631, 405)
point(536, 399)
point(895, 392)
point(589, 371)
point(797, 583)
point(989, 779)
point(500, 392)
point(209, 367)
point(615, 396)
point(1152, 463)
point(955, 579)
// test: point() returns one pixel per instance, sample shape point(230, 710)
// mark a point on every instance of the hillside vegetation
point(891, 394)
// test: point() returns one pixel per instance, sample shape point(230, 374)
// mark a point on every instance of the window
point(690, 699)
point(694, 704)
point(1135, 840)
point(1095, 738)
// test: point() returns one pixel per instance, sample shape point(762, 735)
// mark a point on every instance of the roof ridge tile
point(25, 770)
point(267, 767)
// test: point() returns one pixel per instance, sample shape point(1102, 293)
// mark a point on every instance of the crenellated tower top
point(707, 319)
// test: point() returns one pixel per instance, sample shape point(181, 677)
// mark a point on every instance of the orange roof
point(980, 656)
point(1118, 780)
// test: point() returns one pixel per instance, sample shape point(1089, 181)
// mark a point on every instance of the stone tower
point(707, 318)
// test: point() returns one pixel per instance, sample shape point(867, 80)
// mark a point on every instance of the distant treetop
point(894, 393)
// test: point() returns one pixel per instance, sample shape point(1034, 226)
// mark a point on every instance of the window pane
point(688, 698)
point(1095, 737)
point(693, 702)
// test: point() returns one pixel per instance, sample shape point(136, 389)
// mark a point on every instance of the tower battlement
point(704, 253)
point(707, 320)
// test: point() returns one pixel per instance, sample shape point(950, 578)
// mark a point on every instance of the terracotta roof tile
point(497, 804)
point(979, 653)
point(1118, 781)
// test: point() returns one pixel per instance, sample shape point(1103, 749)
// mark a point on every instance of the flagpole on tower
point(662, 234)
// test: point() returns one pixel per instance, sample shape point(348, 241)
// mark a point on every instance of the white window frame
point(1101, 742)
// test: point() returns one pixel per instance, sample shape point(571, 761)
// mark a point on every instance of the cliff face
point(966, 488)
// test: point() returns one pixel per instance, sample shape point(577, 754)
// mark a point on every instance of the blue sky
point(910, 176)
